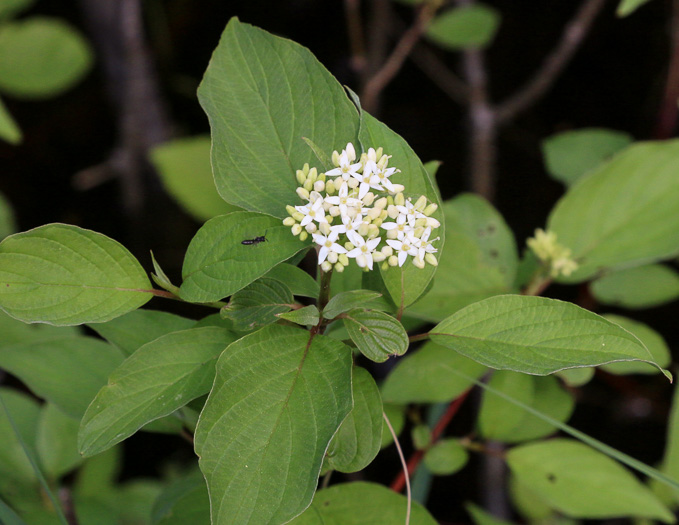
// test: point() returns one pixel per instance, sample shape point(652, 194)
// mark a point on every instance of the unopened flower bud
point(349, 246)
point(398, 188)
point(392, 234)
point(421, 222)
point(373, 231)
point(298, 216)
point(296, 229)
point(335, 211)
point(390, 200)
point(384, 215)
point(361, 261)
point(319, 185)
point(335, 158)
point(388, 251)
point(330, 187)
point(433, 223)
point(377, 222)
point(288, 221)
point(308, 185)
point(322, 177)
point(399, 199)
point(372, 154)
point(369, 198)
point(332, 257)
point(351, 152)
point(393, 260)
point(431, 259)
point(305, 168)
point(343, 259)
point(326, 266)
point(393, 212)
point(352, 182)
point(429, 210)
point(311, 227)
point(363, 229)
point(418, 262)
point(301, 178)
point(385, 266)
point(303, 236)
point(313, 175)
point(382, 163)
point(304, 194)
point(381, 203)
point(373, 213)
point(421, 203)
point(419, 230)
point(379, 256)
point(339, 267)
point(325, 228)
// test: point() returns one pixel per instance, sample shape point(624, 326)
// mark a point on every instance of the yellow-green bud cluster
point(555, 256)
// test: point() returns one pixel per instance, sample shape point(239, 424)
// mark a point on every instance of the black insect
point(256, 240)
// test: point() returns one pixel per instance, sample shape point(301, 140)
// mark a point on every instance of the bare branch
point(393, 64)
point(440, 74)
point(352, 11)
point(667, 115)
point(574, 33)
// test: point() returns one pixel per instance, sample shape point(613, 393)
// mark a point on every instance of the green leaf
point(482, 517)
point(98, 474)
point(359, 437)
point(299, 282)
point(7, 223)
point(397, 418)
point(9, 131)
point(627, 7)
point(156, 380)
point(376, 334)
point(258, 304)
point(345, 301)
point(425, 376)
point(262, 94)
point(446, 457)
point(421, 436)
point(134, 329)
point(361, 503)
point(465, 27)
point(528, 504)
point(640, 287)
point(504, 421)
point(67, 371)
point(536, 335)
point(572, 154)
point(57, 437)
point(670, 461)
point(650, 338)
point(184, 501)
point(65, 275)
point(11, 8)
point(624, 213)
point(14, 331)
point(41, 57)
point(217, 264)
point(185, 170)
point(8, 516)
point(480, 259)
point(577, 376)
point(305, 316)
point(278, 398)
point(583, 483)
point(14, 465)
point(407, 283)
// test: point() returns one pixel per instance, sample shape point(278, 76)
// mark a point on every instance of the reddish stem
point(399, 482)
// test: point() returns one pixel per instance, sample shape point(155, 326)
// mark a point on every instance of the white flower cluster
point(359, 198)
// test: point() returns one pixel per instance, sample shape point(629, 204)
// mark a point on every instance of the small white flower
point(343, 200)
point(346, 169)
point(423, 245)
point(410, 212)
point(400, 226)
point(312, 212)
point(349, 226)
point(364, 251)
point(403, 248)
point(328, 245)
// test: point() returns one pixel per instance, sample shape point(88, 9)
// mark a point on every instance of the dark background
point(616, 80)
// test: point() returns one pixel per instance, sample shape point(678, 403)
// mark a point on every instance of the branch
point(667, 116)
point(352, 11)
point(393, 64)
point(574, 33)
point(440, 74)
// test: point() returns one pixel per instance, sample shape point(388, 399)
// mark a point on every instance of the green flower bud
point(288, 221)
point(379, 256)
point(421, 203)
point(418, 262)
point(298, 216)
point(399, 199)
point(339, 267)
point(342, 258)
point(326, 266)
point(308, 185)
point(330, 187)
point(319, 186)
point(301, 178)
point(325, 228)
point(296, 229)
point(429, 210)
point(393, 260)
point(431, 259)
point(304, 194)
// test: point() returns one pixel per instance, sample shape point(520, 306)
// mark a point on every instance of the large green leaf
point(670, 461)
point(425, 376)
point(217, 264)
point(184, 167)
point(262, 94)
point(376, 334)
point(9, 131)
point(184, 501)
point(345, 301)
point(68, 371)
point(10, 8)
point(583, 483)
point(56, 442)
point(480, 259)
point(41, 57)
point(627, 7)
point(536, 335)
point(407, 283)
point(156, 380)
point(134, 329)
point(258, 304)
point(14, 331)
point(572, 154)
point(277, 400)
point(472, 26)
point(359, 438)
point(24, 411)
point(640, 287)
point(624, 213)
point(64, 275)
point(361, 503)
point(300, 282)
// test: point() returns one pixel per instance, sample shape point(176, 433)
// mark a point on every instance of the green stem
point(418, 337)
point(538, 283)
point(324, 295)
